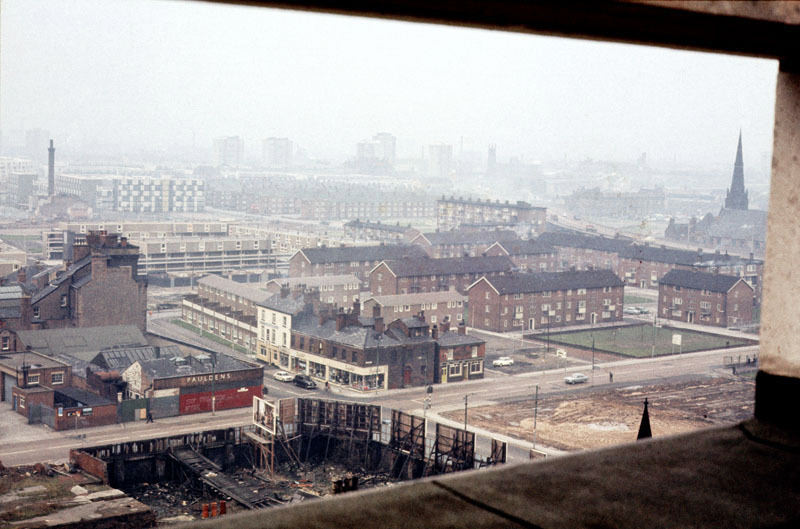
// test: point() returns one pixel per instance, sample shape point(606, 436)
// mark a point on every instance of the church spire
point(737, 196)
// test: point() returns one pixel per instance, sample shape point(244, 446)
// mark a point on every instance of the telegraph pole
point(535, 413)
point(466, 400)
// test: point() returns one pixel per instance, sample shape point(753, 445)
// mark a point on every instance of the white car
point(503, 361)
point(576, 378)
point(283, 376)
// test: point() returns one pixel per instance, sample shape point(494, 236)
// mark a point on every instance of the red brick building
point(527, 255)
point(459, 243)
point(341, 290)
point(36, 370)
point(101, 287)
point(355, 260)
point(585, 252)
point(459, 356)
point(362, 353)
point(525, 302)
point(409, 276)
point(194, 384)
point(439, 306)
point(707, 299)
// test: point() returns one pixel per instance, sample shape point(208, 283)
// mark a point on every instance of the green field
point(630, 299)
point(638, 340)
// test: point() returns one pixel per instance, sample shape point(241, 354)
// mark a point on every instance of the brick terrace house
point(459, 356)
point(527, 255)
point(356, 260)
point(585, 252)
point(409, 276)
point(225, 308)
point(38, 368)
point(341, 290)
point(518, 302)
point(453, 212)
point(439, 306)
point(459, 243)
point(101, 287)
point(363, 353)
point(707, 299)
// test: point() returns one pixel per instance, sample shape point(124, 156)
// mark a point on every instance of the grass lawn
point(637, 340)
point(218, 339)
point(630, 299)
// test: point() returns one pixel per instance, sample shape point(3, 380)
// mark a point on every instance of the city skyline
point(167, 76)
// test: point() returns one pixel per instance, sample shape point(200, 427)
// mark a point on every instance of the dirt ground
point(597, 419)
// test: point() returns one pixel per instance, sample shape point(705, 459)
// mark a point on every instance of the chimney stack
point(25, 368)
point(51, 170)
point(356, 308)
point(379, 325)
point(341, 320)
point(446, 325)
point(462, 328)
point(435, 332)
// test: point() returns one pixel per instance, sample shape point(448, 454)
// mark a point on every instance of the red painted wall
point(226, 399)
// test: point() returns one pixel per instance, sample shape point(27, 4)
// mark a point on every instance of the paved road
point(496, 387)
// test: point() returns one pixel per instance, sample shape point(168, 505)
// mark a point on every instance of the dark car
point(304, 381)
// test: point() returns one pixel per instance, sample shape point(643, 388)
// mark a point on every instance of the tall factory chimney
point(51, 170)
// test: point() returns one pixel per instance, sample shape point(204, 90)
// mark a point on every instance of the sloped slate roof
point(527, 247)
point(577, 240)
point(249, 292)
point(662, 255)
point(699, 280)
point(470, 237)
point(122, 358)
point(348, 254)
point(450, 265)
point(453, 339)
point(550, 281)
point(82, 342)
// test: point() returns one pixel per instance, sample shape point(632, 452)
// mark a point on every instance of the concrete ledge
point(746, 475)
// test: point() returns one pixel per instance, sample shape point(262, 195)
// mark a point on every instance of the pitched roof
point(699, 280)
point(441, 296)
point(450, 265)
point(527, 247)
point(453, 339)
point(469, 236)
point(288, 305)
point(247, 291)
point(660, 254)
point(347, 254)
point(550, 281)
point(66, 275)
point(192, 365)
point(83, 342)
point(578, 240)
point(315, 281)
point(122, 358)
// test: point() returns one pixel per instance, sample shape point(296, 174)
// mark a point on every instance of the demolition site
point(295, 449)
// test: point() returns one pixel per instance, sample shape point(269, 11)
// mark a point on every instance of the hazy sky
point(156, 74)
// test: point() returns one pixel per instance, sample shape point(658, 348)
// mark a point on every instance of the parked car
point(283, 376)
point(304, 381)
point(503, 361)
point(642, 310)
point(576, 378)
point(630, 310)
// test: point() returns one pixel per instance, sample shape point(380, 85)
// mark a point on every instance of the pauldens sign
point(200, 379)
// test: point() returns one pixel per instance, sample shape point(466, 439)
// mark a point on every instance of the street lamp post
point(213, 391)
point(535, 413)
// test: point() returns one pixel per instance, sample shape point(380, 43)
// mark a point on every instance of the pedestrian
point(149, 417)
point(327, 386)
point(610, 377)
